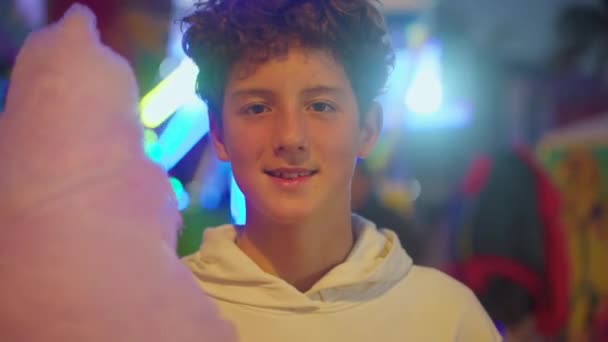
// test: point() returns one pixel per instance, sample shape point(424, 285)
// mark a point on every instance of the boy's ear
point(370, 129)
point(217, 137)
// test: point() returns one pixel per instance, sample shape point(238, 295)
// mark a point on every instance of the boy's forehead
point(306, 75)
point(295, 63)
point(249, 63)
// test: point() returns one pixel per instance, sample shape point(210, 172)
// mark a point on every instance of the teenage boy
point(290, 87)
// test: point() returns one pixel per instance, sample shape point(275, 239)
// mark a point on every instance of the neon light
point(171, 93)
point(183, 199)
point(237, 203)
point(150, 136)
point(154, 151)
point(175, 96)
point(425, 94)
point(184, 130)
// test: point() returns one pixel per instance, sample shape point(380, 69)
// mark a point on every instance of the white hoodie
point(377, 294)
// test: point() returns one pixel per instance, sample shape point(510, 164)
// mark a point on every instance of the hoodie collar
point(375, 264)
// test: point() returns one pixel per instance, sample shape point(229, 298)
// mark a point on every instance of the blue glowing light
point(237, 203)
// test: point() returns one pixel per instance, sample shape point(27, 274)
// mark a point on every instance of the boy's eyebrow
point(258, 92)
point(267, 93)
point(323, 89)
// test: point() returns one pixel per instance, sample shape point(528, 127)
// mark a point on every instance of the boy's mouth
point(290, 173)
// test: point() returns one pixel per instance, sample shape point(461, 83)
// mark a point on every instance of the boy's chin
point(290, 215)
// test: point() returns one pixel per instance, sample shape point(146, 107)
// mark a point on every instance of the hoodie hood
point(375, 264)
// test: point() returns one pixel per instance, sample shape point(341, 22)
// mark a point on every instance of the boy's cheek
point(246, 147)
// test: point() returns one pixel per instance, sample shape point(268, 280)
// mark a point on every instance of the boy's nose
point(291, 137)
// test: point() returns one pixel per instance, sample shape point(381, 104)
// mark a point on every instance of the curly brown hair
point(221, 33)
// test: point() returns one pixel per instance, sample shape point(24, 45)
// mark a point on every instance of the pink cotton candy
point(88, 223)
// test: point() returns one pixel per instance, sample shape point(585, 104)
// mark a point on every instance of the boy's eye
point(255, 109)
point(322, 107)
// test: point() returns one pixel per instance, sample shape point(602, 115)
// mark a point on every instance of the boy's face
point(291, 131)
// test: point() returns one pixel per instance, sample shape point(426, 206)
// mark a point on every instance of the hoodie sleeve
point(475, 324)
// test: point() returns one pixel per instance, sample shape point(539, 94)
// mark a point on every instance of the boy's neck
point(301, 255)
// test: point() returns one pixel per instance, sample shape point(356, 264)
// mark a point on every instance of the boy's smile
point(291, 129)
point(290, 178)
